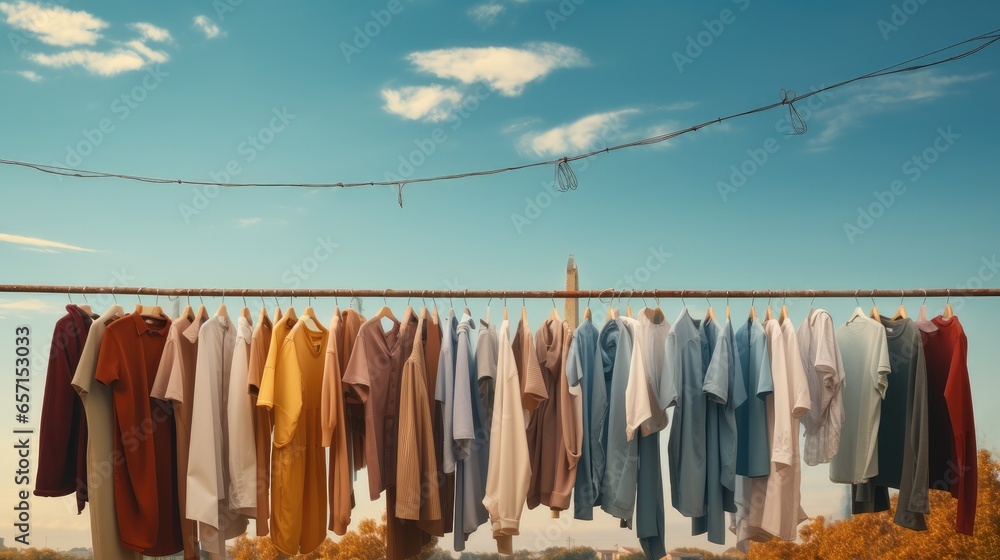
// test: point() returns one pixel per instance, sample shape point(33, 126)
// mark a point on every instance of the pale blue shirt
point(753, 451)
point(585, 369)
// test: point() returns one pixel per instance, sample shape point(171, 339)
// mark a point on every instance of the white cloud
point(429, 103)
point(588, 133)
point(505, 69)
point(102, 63)
point(54, 25)
point(30, 75)
point(207, 26)
point(862, 100)
point(33, 305)
point(151, 32)
point(149, 54)
point(681, 106)
point(39, 243)
point(485, 14)
point(247, 222)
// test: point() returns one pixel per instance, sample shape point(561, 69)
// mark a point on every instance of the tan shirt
point(175, 382)
point(240, 410)
point(509, 472)
point(533, 388)
point(99, 408)
point(260, 344)
point(340, 483)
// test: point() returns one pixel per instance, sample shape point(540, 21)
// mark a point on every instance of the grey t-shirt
point(621, 469)
point(902, 434)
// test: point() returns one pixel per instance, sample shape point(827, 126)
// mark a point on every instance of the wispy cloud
point(30, 75)
point(430, 103)
point(485, 14)
point(150, 32)
point(247, 222)
point(505, 69)
point(30, 305)
point(102, 63)
point(590, 132)
point(38, 243)
point(151, 55)
point(54, 25)
point(681, 106)
point(863, 100)
point(208, 27)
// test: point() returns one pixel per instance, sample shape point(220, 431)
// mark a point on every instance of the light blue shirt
point(753, 451)
point(469, 434)
point(585, 368)
point(622, 465)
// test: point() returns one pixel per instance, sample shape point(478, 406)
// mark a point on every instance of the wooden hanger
point(628, 305)
point(753, 310)
point(505, 307)
point(727, 305)
point(222, 311)
point(784, 313)
point(948, 311)
point(586, 312)
point(874, 312)
point(149, 310)
point(386, 312)
point(901, 312)
point(554, 315)
point(709, 313)
point(465, 300)
point(245, 312)
point(768, 315)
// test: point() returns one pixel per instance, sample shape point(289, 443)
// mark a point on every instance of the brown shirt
point(146, 496)
point(62, 439)
point(551, 429)
point(175, 383)
point(340, 483)
point(354, 409)
point(260, 344)
point(533, 387)
point(446, 481)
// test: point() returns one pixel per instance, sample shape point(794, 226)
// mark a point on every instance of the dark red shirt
point(146, 499)
point(951, 425)
point(62, 439)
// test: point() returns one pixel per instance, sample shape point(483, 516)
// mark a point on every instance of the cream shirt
point(242, 446)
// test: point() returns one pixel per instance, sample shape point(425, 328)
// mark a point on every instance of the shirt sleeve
point(828, 361)
point(880, 375)
point(416, 467)
point(737, 387)
point(358, 375)
point(57, 433)
point(918, 428)
point(332, 389)
point(462, 427)
point(765, 378)
point(798, 384)
point(203, 482)
point(164, 371)
point(242, 446)
point(958, 395)
point(638, 408)
point(287, 400)
point(716, 385)
point(109, 359)
point(84, 374)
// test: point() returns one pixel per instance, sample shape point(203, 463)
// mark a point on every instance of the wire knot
point(399, 193)
point(565, 178)
point(799, 125)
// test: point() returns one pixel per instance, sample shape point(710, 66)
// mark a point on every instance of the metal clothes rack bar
point(498, 294)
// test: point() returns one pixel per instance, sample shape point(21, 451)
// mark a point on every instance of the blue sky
point(893, 186)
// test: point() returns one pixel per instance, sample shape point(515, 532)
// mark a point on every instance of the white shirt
point(650, 389)
point(824, 368)
point(242, 445)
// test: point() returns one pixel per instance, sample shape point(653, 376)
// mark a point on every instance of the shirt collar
point(141, 327)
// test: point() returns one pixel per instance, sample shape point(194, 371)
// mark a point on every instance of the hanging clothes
point(509, 472)
point(865, 353)
point(753, 446)
point(469, 435)
point(725, 392)
point(175, 383)
point(240, 410)
point(292, 390)
point(261, 342)
point(446, 481)
point(487, 349)
point(651, 390)
point(354, 409)
point(62, 436)
point(824, 368)
point(146, 497)
point(902, 432)
point(553, 432)
point(208, 477)
point(585, 371)
point(952, 428)
point(335, 433)
point(533, 388)
point(99, 407)
point(621, 472)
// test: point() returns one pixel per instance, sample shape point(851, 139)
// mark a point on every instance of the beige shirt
point(175, 382)
point(340, 483)
point(208, 468)
point(509, 472)
point(99, 408)
point(240, 409)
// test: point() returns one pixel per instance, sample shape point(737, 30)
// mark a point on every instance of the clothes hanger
point(554, 315)
point(768, 315)
point(222, 311)
point(874, 313)
point(188, 313)
point(858, 312)
point(753, 310)
point(948, 311)
point(465, 300)
point(727, 305)
point(628, 305)
point(86, 306)
point(289, 315)
point(309, 316)
point(486, 322)
point(709, 313)
point(922, 314)
point(586, 312)
point(784, 310)
point(385, 312)
point(149, 310)
point(245, 312)
point(611, 301)
point(901, 312)
point(505, 306)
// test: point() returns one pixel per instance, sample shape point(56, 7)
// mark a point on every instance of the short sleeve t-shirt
point(753, 450)
point(865, 353)
point(825, 374)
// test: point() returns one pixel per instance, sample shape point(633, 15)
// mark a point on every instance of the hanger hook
point(872, 297)
point(727, 298)
point(856, 300)
point(708, 301)
point(113, 296)
point(753, 297)
point(489, 301)
point(245, 299)
point(643, 295)
point(948, 301)
point(384, 302)
point(465, 297)
point(684, 303)
point(138, 295)
point(156, 300)
point(628, 302)
point(784, 296)
point(921, 289)
point(553, 302)
point(588, 299)
point(902, 294)
point(813, 300)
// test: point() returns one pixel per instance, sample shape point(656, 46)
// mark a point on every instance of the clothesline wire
point(610, 293)
point(564, 175)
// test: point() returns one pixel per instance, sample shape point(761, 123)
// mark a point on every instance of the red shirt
point(951, 425)
point(146, 498)
point(62, 440)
